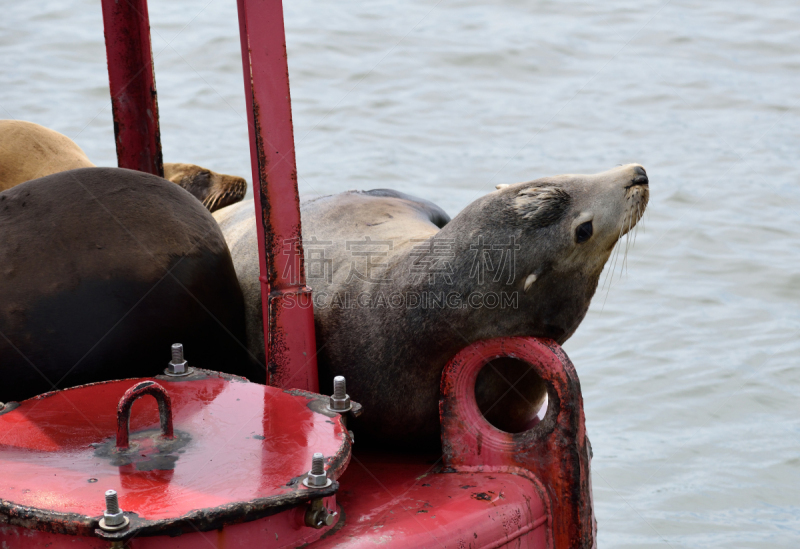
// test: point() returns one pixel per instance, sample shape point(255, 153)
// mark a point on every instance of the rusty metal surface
point(133, 86)
point(250, 448)
point(286, 300)
point(406, 501)
point(556, 451)
point(283, 530)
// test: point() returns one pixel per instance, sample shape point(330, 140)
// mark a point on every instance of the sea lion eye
point(583, 232)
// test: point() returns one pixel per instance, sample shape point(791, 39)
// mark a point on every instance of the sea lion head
point(563, 229)
point(566, 228)
point(582, 216)
point(214, 190)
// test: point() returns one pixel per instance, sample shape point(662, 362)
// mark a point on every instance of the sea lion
point(29, 151)
point(397, 294)
point(101, 271)
point(214, 190)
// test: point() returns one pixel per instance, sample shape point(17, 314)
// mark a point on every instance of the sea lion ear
point(501, 186)
point(542, 206)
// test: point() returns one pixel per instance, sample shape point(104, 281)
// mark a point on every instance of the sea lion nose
point(640, 176)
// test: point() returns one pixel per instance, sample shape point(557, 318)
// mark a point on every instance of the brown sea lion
point(101, 271)
point(29, 151)
point(214, 190)
point(398, 291)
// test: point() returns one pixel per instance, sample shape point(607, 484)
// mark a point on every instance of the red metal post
point(286, 300)
point(133, 85)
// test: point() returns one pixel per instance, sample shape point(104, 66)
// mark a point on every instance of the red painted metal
point(286, 300)
point(395, 501)
point(239, 454)
point(284, 530)
point(124, 411)
point(133, 85)
point(556, 451)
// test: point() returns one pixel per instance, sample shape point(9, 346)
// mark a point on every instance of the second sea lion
point(29, 151)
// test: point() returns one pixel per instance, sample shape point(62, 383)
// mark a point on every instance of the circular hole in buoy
point(511, 395)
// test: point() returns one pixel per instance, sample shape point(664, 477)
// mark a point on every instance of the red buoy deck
point(238, 453)
point(222, 461)
point(406, 500)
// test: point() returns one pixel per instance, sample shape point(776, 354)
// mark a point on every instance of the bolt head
point(177, 367)
point(114, 528)
point(340, 405)
point(316, 481)
point(114, 519)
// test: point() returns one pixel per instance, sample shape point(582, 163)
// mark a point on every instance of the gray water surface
point(688, 357)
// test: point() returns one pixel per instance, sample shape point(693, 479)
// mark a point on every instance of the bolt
point(113, 519)
point(340, 401)
point(339, 387)
point(317, 478)
point(112, 503)
point(317, 464)
point(178, 365)
point(177, 353)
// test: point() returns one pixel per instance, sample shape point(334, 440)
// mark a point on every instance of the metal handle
point(124, 411)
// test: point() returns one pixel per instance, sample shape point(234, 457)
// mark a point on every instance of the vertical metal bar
point(133, 85)
point(286, 300)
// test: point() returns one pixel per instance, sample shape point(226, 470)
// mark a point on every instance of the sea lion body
point(419, 219)
point(29, 151)
point(521, 261)
point(101, 271)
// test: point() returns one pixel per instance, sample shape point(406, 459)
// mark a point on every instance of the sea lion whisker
point(610, 261)
point(613, 263)
point(618, 247)
point(212, 201)
point(625, 254)
point(619, 250)
point(625, 257)
point(609, 277)
point(627, 243)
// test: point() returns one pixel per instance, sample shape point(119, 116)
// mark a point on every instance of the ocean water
point(689, 355)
